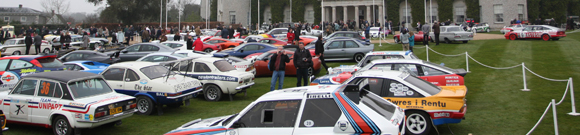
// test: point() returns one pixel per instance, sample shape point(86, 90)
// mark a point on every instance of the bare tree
point(58, 6)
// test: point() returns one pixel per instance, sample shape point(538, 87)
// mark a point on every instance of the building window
point(521, 11)
point(6, 18)
point(460, 14)
point(22, 19)
point(498, 12)
point(232, 17)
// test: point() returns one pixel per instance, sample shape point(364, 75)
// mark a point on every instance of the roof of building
point(19, 11)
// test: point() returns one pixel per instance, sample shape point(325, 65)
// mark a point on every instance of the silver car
point(452, 33)
point(345, 49)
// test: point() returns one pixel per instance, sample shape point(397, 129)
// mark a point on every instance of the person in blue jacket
point(367, 30)
point(411, 40)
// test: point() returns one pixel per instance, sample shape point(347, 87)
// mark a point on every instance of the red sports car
point(261, 64)
point(273, 41)
point(418, 37)
point(543, 32)
point(223, 43)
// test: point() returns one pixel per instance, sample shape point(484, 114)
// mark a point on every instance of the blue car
point(86, 66)
point(249, 48)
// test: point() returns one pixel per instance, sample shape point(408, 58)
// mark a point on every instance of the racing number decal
point(45, 88)
point(532, 35)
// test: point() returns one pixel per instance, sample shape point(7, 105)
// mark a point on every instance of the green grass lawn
point(495, 103)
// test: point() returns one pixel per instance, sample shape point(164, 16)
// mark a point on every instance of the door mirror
point(241, 51)
point(237, 125)
point(125, 51)
point(63, 59)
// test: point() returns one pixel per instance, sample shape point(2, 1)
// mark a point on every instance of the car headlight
point(3, 50)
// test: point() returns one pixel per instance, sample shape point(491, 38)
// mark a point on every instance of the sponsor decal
point(22, 71)
point(47, 100)
point(452, 81)
point(442, 114)
point(143, 87)
point(49, 106)
point(46, 70)
point(143, 81)
point(215, 77)
point(400, 90)
point(319, 96)
point(343, 125)
point(451, 77)
point(9, 80)
point(418, 103)
point(308, 123)
point(76, 104)
point(185, 85)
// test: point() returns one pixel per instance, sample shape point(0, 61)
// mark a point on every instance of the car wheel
point(212, 93)
point(60, 126)
point(418, 123)
point(465, 41)
point(310, 71)
point(46, 51)
point(16, 53)
point(546, 37)
point(358, 57)
point(513, 37)
point(208, 50)
point(396, 39)
point(144, 105)
point(447, 41)
point(487, 30)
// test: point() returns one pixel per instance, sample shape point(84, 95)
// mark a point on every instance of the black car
point(105, 57)
point(139, 50)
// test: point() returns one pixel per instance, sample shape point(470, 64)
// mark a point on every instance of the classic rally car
point(16, 46)
point(418, 38)
point(315, 110)
point(370, 57)
point(238, 63)
point(86, 66)
point(14, 67)
point(452, 33)
point(152, 84)
point(345, 49)
point(481, 27)
point(219, 77)
point(513, 27)
point(67, 101)
point(425, 104)
point(89, 55)
point(261, 64)
point(544, 32)
point(436, 74)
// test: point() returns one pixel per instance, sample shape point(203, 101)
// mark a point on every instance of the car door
point(21, 100)
point(268, 117)
point(47, 100)
point(319, 116)
point(144, 50)
point(133, 81)
point(334, 49)
point(351, 48)
point(130, 53)
point(114, 77)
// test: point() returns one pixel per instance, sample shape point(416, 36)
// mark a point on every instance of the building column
point(381, 16)
point(327, 15)
point(333, 14)
point(344, 9)
point(356, 16)
point(368, 13)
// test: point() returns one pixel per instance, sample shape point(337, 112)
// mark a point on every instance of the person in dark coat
point(37, 43)
point(225, 33)
point(436, 31)
point(28, 42)
point(297, 32)
point(302, 61)
point(277, 65)
point(189, 43)
point(231, 32)
point(319, 51)
point(240, 31)
point(158, 33)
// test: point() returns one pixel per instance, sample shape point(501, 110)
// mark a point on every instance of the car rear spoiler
point(461, 72)
point(221, 55)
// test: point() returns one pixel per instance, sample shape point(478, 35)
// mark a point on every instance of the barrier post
point(427, 51)
point(573, 113)
point(524, 74)
point(555, 116)
point(467, 62)
point(380, 39)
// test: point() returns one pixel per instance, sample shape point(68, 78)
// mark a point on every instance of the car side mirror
point(237, 125)
point(125, 51)
point(241, 51)
point(63, 59)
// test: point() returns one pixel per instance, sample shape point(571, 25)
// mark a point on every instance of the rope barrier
point(540, 120)
point(491, 66)
point(565, 92)
point(549, 79)
point(446, 54)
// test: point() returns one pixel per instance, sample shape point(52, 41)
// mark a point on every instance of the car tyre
point(546, 37)
point(310, 71)
point(418, 123)
point(513, 37)
point(16, 53)
point(145, 105)
point(358, 57)
point(465, 41)
point(447, 41)
point(212, 93)
point(46, 50)
point(60, 126)
point(487, 30)
point(208, 50)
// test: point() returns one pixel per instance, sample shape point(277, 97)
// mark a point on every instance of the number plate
point(115, 110)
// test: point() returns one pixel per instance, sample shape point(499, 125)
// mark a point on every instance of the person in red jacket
point(290, 35)
point(198, 45)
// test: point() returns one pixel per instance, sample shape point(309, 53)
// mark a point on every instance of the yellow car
point(425, 104)
point(3, 123)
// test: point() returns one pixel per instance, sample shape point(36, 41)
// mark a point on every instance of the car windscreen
point(90, 87)
point(10, 42)
point(370, 58)
point(423, 85)
point(50, 62)
point(224, 66)
point(439, 66)
point(154, 72)
point(452, 29)
point(239, 47)
point(179, 55)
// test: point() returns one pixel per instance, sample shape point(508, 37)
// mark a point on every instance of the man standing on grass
point(302, 61)
point(425, 28)
point(436, 32)
point(277, 65)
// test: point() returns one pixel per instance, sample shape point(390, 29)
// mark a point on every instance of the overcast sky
point(75, 5)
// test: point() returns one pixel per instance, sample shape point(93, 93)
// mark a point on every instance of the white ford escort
point(323, 109)
point(152, 84)
point(218, 76)
point(370, 57)
point(67, 101)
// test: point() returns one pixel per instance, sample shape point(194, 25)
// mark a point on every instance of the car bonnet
point(201, 126)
